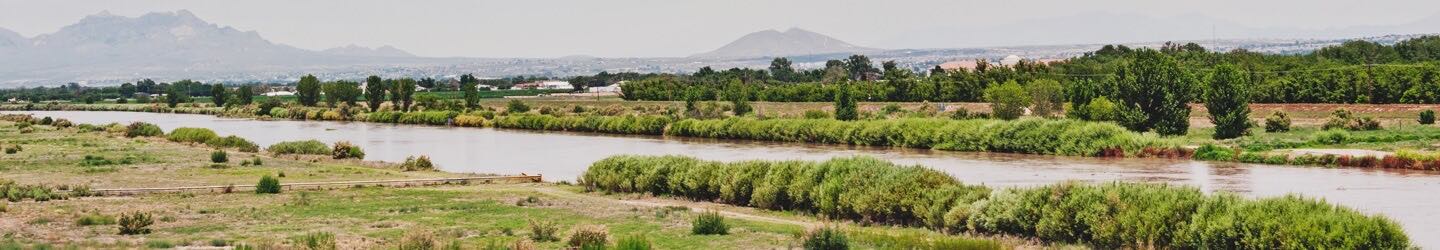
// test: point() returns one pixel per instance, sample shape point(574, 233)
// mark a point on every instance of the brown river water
point(1410, 197)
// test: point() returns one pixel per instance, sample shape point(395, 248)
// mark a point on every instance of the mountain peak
point(791, 42)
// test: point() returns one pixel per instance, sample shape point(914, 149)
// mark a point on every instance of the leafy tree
point(845, 106)
point(147, 86)
point(467, 88)
point(427, 83)
point(1007, 101)
point(217, 94)
point(244, 95)
point(308, 90)
point(174, 95)
point(859, 67)
point(1154, 85)
point(374, 92)
point(1228, 102)
point(1046, 97)
point(127, 90)
point(781, 70)
point(402, 92)
point(342, 91)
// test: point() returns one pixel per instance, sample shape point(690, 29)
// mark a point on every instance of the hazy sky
point(616, 28)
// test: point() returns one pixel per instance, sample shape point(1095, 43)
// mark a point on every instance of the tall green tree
point(374, 92)
point(307, 91)
point(176, 94)
point(1228, 102)
point(845, 106)
point(1047, 97)
point(127, 90)
point(467, 89)
point(859, 67)
point(402, 93)
point(1154, 85)
point(781, 70)
point(244, 95)
point(218, 95)
point(342, 91)
point(1007, 101)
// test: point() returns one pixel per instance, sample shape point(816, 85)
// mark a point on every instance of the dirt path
point(727, 210)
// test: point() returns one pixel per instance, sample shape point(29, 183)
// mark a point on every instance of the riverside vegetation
point(48, 186)
point(1114, 215)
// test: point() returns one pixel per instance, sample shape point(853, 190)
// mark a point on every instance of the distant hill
point(791, 42)
point(355, 50)
point(105, 46)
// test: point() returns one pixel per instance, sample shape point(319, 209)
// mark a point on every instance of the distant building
point(1010, 60)
point(612, 88)
point(544, 85)
point(278, 93)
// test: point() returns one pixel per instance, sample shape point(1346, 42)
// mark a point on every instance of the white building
point(613, 88)
point(555, 85)
point(278, 93)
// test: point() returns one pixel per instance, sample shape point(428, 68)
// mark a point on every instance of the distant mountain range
point(795, 41)
point(110, 46)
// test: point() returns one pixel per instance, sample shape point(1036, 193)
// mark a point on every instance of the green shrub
point(826, 238)
point(1007, 101)
point(1228, 102)
point(1277, 122)
point(626, 124)
point(543, 231)
point(709, 223)
point(135, 223)
point(1212, 152)
point(816, 114)
point(845, 105)
point(219, 156)
point(345, 150)
point(427, 117)
point(418, 240)
point(139, 129)
point(637, 242)
point(317, 241)
point(267, 185)
point(516, 106)
point(192, 135)
point(159, 244)
point(589, 237)
point(233, 142)
point(1331, 137)
point(417, 164)
point(94, 220)
point(308, 147)
point(1427, 117)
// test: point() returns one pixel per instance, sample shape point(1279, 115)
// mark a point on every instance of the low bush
point(637, 242)
point(1031, 136)
point(267, 185)
point(427, 117)
point(709, 223)
point(142, 129)
point(421, 163)
point(235, 142)
point(589, 237)
point(317, 241)
point(192, 135)
point(516, 106)
point(135, 223)
point(826, 238)
point(308, 147)
point(1344, 119)
point(1212, 152)
point(1331, 137)
point(543, 231)
point(345, 150)
point(95, 220)
point(1427, 117)
point(1277, 122)
point(627, 124)
point(219, 156)
point(418, 240)
point(1116, 215)
point(817, 114)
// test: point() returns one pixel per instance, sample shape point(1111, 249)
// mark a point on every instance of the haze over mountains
point(108, 49)
point(791, 42)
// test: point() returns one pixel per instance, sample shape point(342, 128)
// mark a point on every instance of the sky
point(666, 28)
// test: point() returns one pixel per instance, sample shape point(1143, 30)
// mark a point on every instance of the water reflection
point(1405, 195)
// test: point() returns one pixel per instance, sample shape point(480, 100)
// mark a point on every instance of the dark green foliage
point(139, 129)
point(1032, 136)
point(845, 107)
point(135, 223)
point(1228, 102)
point(345, 150)
point(307, 147)
point(1427, 117)
point(1046, 96)
point(1007, 101)
point(192, 135)
point(219, 156)
point(626, 124)
point(468, 89)
point(175, 95)
point(417, 164)
point(1212, 152)
point(244, 95)
point(826, 238)
point(307, 91)
point(1331, 137)
point(374, 92)
point(1277, 122)
point(709, 223)
point(218, 95)
point(233, 142)
point(338, 92)
point(268, 105)
point(1122, 215)
point(1153, 84)
point(516, 107)
point(267, 185)
point(402, 93)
